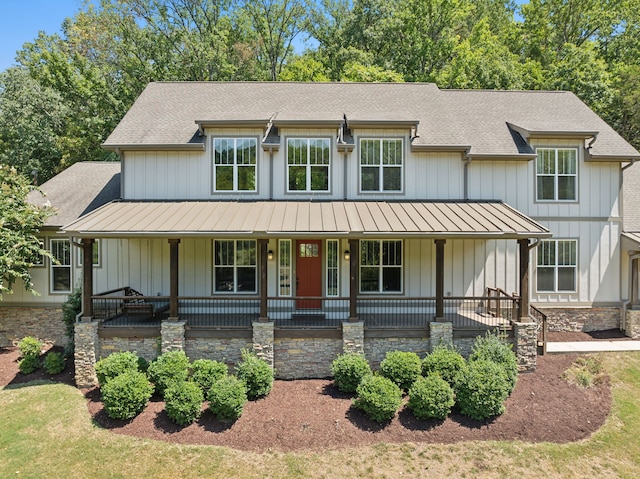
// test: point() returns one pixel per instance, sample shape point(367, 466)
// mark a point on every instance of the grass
point(45, 429)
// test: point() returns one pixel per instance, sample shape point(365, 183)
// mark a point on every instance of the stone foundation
point(441, 334)
point(305, 358)
point(263, 341)
point(87, 343)
point(147, 348)
point(525, 341)
point(582, 319)
point(353, 337)
point(464, 345)
point(223, 350)
point(172, 334)
point(375, 349)
point(632, 323)
point(44, 323)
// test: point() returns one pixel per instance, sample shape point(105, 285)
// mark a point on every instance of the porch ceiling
point(427, 219)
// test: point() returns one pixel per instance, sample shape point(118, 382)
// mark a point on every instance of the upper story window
point(308, 164)
point(557, 266)
point(556, 174)
point(380, 266)
point(381, 165)
point(234, 164)
point(60, 265)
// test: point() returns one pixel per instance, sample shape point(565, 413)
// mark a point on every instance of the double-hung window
point(235, 267)
point(556, 174)
point(557, 266)
point(95, 254)
point(381, 266)
point(234, 164)
point(308, 164)
point(60, 265)
point(381, 165)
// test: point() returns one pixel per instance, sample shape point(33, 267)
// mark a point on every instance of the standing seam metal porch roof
point(431, 219)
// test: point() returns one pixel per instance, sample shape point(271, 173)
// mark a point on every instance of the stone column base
point(353, 337)
point(440, 334)
point(86, 345)
point(526, 345)
point(263, 340)
point(172, 334)
point(632, 323)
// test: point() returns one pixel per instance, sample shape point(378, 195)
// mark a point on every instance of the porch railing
point(541, 320)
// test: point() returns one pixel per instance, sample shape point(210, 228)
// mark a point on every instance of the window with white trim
point(557, 267)
point(381, 266)
point(332, 268)
point(60, 279)
point(556, 174)
point(235, 266)
point(380, 165)
point(308, 164)
point(234, 164)
point(284, 267)
point(95, 254)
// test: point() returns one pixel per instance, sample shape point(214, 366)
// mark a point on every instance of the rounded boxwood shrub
point(204, 372)
point(378, 397)
point(256, 375)
point(29, 364)
point(431, 397)
point(348, 370)
point(54, 362)
point(126, 395)
point(444, 361)
point(143, 364)
point(227, 398)
point(29, 346)
point(183, 402)
point(494, 348)
point(114, 365)
point(481, 388)
point(170, 367)
point(403, 368)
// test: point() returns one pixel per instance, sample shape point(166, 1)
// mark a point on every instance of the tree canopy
point(68, 91)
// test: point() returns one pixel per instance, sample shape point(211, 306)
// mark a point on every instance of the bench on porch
point(143, 307)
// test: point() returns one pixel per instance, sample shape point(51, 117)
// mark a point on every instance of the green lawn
point(46, 431)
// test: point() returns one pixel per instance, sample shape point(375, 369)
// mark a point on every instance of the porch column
point(523, 312)
point(173, 275)
point(354, 255)
point(87, 278)
point(440, 279)
point(262, 254)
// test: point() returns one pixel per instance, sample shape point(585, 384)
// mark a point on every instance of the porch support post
point(440, 279)
point(87, 278)
point(173, 275)
point(354, 255)
point(262, 246)
point(523, 312)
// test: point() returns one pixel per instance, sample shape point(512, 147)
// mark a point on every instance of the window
point(37, 260)
point(557, 266)
point(96, 254)
point(60, 266)
point(284, 264)
point(380, 165)
point(556, 174)
point(235, 266)
point(234, 164)
point(380, 266)
point(308, 164)
point(332, 268)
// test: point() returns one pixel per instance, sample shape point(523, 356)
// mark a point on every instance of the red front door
point(309, 273)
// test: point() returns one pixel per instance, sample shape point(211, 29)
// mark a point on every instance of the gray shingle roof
point(78, 190)
point(166, 113)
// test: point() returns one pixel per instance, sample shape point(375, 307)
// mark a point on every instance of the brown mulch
point(606, 335)
point(314, 415)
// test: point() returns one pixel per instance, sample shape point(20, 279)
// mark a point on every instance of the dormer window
point(234, 164)
point(556, 174)
point(381, 165)
point(308, 164)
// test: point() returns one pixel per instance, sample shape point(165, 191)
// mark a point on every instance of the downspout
point(467, 161)
point(270, 173)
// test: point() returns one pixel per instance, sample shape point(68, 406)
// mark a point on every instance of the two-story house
point(305, 219)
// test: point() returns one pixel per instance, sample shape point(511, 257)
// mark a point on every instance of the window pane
point(370, 152)
point(369, 279)
point(392, 152)
point(223, 151)
point(369, 253)
point(284, 258)
point(224, 254)
point(332, 254)
point(297, 152)
point(297, 178)
point(224, 178)
point(545, 279)
point(567, 279)
point(224, 279)
point(567, 253)
point(246, 279)
point(546, 188)
point(246, 151)
point(319, 178)
point(61, 278)
point(392, 253)
point(566, 187)
point(332, 282)
point(391, 279)
point(246, 253)
point(547, 253)
point(546, 162)
point(247, 178)
point(319, 152)
point(567, 162)
point(392, 179)
point(370, 177)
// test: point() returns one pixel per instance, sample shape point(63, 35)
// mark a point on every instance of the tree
point(20, 221)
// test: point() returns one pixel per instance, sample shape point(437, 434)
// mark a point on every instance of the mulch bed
point(606, 335)
point(314, 415)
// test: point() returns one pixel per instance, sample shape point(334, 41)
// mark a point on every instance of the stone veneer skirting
point(582, 319)
point(147, 348)
point(632, 323)
point(44, 323)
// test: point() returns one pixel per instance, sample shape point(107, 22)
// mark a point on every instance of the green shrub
point(445, 361)
point(114, 365)
point(403, 368)
point(256, 375)
point(29, 346)
point(126, 395)
point(494, 348)
point(204, 372)
point(227, 398)
point(169, 368)
point(54, 362)
point(431, 397)
point(348, 370)
point(143, 365)
point(378, 397)
point(183, 402)
point(71, 308)
point(481, 388)
point(29, 364)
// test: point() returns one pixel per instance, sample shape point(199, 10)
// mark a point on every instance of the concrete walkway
point(593, 346)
